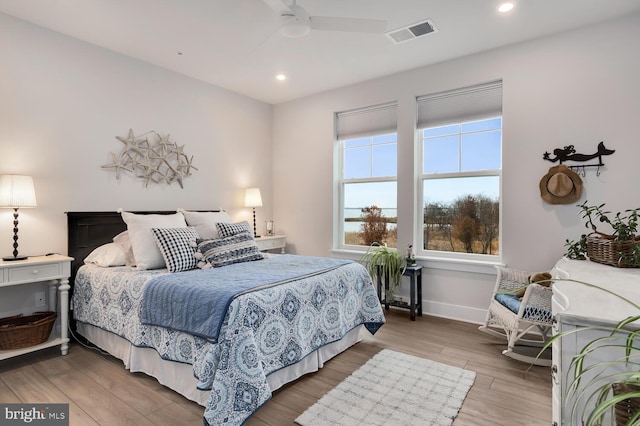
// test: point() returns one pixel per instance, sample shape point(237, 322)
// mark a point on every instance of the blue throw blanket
point(196, 301)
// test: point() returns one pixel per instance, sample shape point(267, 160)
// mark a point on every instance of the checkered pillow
point(229, 229)
point(218, 252)
point(177, 247)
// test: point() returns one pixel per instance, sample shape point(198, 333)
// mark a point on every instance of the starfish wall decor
point(158, 160)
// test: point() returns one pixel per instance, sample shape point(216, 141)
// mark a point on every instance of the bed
point(230, 355)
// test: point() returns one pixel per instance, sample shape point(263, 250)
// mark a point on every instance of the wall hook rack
point(568, 153)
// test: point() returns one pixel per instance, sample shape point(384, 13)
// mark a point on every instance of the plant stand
point(414, 272)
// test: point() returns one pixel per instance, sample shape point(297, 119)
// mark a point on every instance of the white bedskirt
point(179, 376)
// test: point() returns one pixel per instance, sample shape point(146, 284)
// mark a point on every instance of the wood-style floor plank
point(101, 392)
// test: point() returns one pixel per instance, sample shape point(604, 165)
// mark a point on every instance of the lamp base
point(10, 258)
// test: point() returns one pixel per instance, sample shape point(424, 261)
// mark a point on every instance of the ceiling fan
point(298, 23)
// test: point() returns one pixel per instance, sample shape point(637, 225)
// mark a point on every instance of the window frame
point(420, 184)
point(342, 182)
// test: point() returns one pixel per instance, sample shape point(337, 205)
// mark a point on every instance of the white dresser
point(576, 306)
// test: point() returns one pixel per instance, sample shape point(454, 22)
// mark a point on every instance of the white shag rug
point(393, 388)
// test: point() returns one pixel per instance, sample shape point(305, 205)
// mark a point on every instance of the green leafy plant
point(622, 240)
point(624, 225)
point(597, 381)
point(577, 250)
point(382, 261)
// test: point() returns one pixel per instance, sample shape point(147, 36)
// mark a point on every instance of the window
point(367, 169)
point(461, 144)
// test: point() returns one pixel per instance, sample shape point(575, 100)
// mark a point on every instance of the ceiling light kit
point(296, 22)
point(281, 77)
point(505, 7)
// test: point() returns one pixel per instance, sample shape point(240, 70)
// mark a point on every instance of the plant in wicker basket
point(620, 247)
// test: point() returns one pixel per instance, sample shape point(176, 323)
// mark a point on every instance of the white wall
point(579, 88)
point(63, 102)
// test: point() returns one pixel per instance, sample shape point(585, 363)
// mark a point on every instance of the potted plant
point(620, 247)
point(605, 384)
point(384, 263)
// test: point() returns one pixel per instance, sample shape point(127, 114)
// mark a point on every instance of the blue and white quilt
point(262, 331)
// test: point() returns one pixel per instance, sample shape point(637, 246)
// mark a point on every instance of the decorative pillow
point(225, 251)
point(145, 249)
point(106, 255)
point(124, 242)
point(177, 247)
point(205, 222)
point(229, 229)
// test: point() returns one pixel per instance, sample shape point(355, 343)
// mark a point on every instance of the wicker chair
point(533, 314)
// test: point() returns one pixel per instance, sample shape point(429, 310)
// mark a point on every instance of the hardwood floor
point(101, 392)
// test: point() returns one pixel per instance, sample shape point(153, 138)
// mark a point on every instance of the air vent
point(419, 29)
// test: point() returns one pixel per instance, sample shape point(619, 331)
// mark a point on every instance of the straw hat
point(560, 185)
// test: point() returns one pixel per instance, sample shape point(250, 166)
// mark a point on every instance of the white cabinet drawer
point(270, 244)
point(34, 272)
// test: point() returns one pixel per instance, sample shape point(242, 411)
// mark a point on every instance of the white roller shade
point(453, 106)
point(376, 120)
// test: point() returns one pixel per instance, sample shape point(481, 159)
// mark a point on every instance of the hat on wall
point(560, 185)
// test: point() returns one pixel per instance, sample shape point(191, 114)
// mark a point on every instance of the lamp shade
point(17, 191)
point(252, 197)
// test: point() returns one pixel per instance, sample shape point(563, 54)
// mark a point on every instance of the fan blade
point(348, 24)
point(278, 6)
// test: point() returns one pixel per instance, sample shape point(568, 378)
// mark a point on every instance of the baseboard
point(455, 312)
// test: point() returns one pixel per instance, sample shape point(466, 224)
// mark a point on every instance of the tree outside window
point(369, 190)
point(461, 186)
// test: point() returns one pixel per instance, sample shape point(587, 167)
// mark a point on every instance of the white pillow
point(124, 242)
point(205, 222)
point(145, 249)
point(106, 255)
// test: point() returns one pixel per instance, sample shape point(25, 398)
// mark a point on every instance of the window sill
point(460, 265)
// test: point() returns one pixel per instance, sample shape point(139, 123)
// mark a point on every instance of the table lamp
point(252, 198)
point(16, 191)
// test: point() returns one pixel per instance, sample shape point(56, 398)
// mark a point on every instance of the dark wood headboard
point(89, 230)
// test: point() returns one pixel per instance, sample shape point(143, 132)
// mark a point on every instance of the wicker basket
point(23, 331)
point(626, 408)
point(604, 249)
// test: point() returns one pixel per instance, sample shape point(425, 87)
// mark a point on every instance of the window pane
point(385, 160)
point(481, 151)
point(357, 162)
point(441, 131)
point(358, 231)
point(475, 126)
point(385, 138)
point(441, 154)
point(462, 215)
point(357, 142)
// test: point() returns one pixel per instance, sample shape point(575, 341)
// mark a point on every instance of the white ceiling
point(234, 43)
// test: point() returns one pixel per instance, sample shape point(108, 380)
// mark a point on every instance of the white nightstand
point(271, 242)
point(56, 269)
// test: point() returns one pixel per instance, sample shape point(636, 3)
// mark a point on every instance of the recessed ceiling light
point(281, 77)
point(505, 7)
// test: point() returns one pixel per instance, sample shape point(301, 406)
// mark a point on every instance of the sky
point(447, 149)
